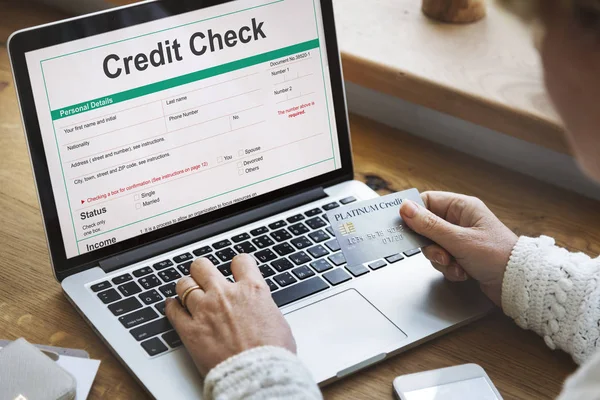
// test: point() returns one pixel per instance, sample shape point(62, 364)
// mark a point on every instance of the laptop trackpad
point(341, 332)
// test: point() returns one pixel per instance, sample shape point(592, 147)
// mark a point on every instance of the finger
point(177, 314)
point(426, 223)
point(452, 272)
point(458, 209)
point(244, 268)
point(437, 254)
point(194, 296)
point(206, 274)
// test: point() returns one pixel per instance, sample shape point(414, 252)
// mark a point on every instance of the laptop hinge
point(209, 230)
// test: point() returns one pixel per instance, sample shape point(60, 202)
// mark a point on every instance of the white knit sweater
point(546, 289)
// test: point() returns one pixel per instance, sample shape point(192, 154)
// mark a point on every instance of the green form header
point(182, 80)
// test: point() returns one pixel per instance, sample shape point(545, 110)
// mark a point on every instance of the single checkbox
point(240, 164)
point(240, 172)
point(241, 153)
point(136, 197)
point(138, 206)
point(220, 160)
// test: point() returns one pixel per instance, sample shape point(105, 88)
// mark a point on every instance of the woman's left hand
point(223, 318)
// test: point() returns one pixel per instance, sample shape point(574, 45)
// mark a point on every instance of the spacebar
point(299, 291)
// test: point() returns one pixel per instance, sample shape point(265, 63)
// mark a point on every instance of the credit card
point(373, 229)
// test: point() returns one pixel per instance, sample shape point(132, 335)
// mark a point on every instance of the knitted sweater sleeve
point(262, 373)
point(556, 294)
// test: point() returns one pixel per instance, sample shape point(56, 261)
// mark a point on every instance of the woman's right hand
point(470, 240)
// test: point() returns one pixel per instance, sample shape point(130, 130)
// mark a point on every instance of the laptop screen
point(155, 124)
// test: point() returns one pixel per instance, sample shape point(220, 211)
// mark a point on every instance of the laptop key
point(168, 290)
point(295, 218)
point(357, 270)
point(283, 264)
point(330, 231)
point(202, 251)
point(315, 223)
point(142, 272)
point(221, 244)
point(284, 249)
point(169, 275)
point(318, 251)
point(377, 265)
point(185, 268)
point(266, 271)
point(162, 265)
point(245, 247)
point(394, 258)
point(272, 286)
point(263, 241)
point(240, 238)
point(348, 200)
point(148, 282)
point(125, 306)
point(122, 279)
point(325, 217)
point(226, 254)
point(333, 245)
point(300, 258)
point(301, 242)
point(318, 236)
point(139, 317)
point(109, 296)
point(265, 255)
point(303, 272)
point(225, 269)
point(337, 276)
point(152, 329)
point(337, 259)
point(281, 235)
point(277, 225)
point(321, 265)
point(160, 307)
point(313, 212)
point(412, 252)
point(172, 339)
point(298, 229)
point(330, 206)
point(129, 289)
point(100, 286)
point(183, 258)
point(259, 231)
point(284, 279)
point(299, 291)
point(150, 297)
point(154, 347)
point(213, 259)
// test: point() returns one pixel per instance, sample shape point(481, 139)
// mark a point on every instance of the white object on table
point(462, 382)
point(84, 370)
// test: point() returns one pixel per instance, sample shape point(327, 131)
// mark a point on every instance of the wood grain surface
point(487, 72)
point(33, 306)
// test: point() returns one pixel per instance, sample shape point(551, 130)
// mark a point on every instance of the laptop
point(170, 130)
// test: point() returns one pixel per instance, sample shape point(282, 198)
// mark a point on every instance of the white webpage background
point(292, 149)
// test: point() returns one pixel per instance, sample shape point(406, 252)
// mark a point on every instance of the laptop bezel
point(24, 41)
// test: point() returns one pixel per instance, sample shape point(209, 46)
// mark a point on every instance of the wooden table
point(488, 72)
point(32, 305)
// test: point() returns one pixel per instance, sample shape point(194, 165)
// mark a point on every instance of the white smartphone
point(462, 382)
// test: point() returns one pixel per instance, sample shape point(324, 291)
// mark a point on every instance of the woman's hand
point(471, 240)
point(223, 318)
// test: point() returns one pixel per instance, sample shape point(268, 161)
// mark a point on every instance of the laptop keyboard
point(298, 256)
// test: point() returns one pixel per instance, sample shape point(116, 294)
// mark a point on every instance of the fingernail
point(409, 208)
point(440, 259)
point(458, 273)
